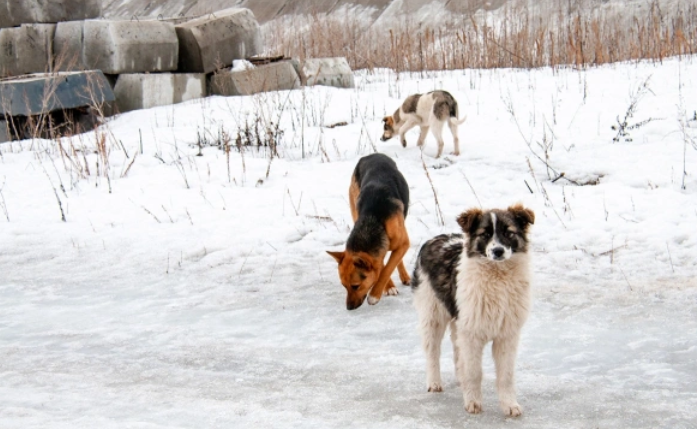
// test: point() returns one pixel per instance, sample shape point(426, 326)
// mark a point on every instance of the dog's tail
point(455, 121)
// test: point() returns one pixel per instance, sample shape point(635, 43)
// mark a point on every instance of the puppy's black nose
point(498, 252)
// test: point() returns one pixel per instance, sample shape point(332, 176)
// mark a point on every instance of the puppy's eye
point(355, 287)
point(362, 276)
point(510, 234)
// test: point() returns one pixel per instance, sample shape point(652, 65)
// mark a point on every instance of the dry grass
point(568, 36)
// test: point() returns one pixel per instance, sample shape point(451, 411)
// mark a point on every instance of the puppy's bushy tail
point(415, 279)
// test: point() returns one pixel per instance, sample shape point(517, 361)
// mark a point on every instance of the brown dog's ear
point(362, 263)
point(468, 219)
point(523, 217)
point(339, 256)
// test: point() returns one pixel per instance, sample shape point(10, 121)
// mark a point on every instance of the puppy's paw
point(512, 410)
point(406, 280)
point(390, 290)
point(435, 387)
point(372, 300)
point(455, 153)
point(473, 406)
point(404, 143)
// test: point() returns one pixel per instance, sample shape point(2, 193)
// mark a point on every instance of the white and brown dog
point(478, 284)
point(428, 111)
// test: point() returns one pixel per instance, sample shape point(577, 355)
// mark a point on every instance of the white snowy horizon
point(176, 294)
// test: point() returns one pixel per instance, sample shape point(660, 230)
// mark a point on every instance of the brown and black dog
point(379, 200)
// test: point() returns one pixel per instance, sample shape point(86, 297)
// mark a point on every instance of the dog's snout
point(498, 252)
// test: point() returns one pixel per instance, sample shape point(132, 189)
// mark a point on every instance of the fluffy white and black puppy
point(478, 284)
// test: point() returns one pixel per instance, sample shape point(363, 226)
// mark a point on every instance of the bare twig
point(439, 213)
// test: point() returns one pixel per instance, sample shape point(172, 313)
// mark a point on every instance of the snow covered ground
point(177, 294)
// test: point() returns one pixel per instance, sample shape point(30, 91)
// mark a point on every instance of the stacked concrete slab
point(16, 12)
point(269, 77)
point(117, 47)
point(327, 71)
point(26, 49)
point(46, 92)
point(214, 41)
point(141, 91)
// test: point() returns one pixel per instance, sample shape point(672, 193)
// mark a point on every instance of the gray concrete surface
point(117, 47)
point(26, 49)
point(4, 132)
point(270, 77)
point(327, 71)
point(141, 90)
point(47, 92)
point(17, 12)
point(212, 42)
point(68, 46)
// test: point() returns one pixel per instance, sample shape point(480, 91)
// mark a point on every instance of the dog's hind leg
point(457, 358)
point(390, 288)
point(403, 274)
point(432, 327)
point(456, 140)
point(354, 191)
point(504, 351)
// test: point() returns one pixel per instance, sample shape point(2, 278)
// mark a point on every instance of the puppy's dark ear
point(339, 256)
point(523, 217)
point(363, 263)
point(469, 219)
point(385, 119)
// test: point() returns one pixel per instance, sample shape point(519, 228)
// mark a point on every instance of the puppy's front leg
point(504, 351)
point(471, 349)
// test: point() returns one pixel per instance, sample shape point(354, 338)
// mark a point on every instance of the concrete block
point(141, 91)
point(4, 132)
point(269, 77)
point(14, 13)
point(212, 42)
point(68, 46)
point(17, 12)
point(26, 49)
point(46, 92)
point(64, 10)
point(327, 71)
point(117, 47)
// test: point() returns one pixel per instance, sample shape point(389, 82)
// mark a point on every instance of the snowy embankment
point(194, 291)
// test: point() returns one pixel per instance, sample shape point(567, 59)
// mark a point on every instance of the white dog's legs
point(456, 139)
point(471, 349)
point(457, 357)
point(422, 136)
point(437, 130)
point(433, 320)
point(432, 332)
point(409, 124)
point(504, 351)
